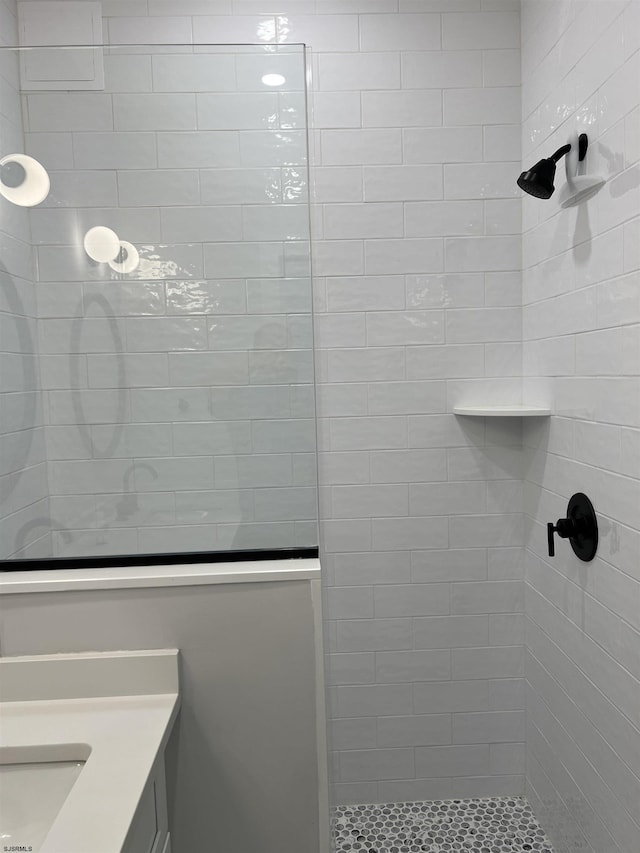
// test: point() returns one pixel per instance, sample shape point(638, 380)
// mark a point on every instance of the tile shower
point(463, 664)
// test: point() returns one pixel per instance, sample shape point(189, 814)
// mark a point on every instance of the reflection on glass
point(23, 180)
point(101, 244)
point(177, 362)
point(273, 80)
point(127, 259)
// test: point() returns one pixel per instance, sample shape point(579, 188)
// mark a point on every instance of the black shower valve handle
point(566, 528)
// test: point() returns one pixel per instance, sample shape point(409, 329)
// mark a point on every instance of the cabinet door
point(144, 827)
point(149, 831)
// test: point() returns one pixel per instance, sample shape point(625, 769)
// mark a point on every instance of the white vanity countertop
point(125, 735)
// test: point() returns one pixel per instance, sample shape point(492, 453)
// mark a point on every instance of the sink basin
point(33, 788)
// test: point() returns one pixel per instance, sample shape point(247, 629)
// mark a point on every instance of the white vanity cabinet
point(113, 712)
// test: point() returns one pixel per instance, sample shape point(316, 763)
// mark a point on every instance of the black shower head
point(538, 180)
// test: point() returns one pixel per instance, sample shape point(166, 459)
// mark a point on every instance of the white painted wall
point(24, 528)
point(581, 70)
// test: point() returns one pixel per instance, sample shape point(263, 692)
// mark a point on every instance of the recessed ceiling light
point(273, 79)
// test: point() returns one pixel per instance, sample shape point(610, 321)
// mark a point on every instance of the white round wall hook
point(23, 180)
point(127, 259)
point(101, 244)
point(579, 187)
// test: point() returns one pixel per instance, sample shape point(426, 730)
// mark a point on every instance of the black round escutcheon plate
point(585, 543)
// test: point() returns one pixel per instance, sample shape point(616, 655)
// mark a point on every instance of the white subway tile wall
point(581, 71)
point(24, 510)
point(417, 285)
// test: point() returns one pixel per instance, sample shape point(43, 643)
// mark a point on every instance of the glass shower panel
point(170, 285)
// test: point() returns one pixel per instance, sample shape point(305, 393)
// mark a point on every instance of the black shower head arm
point(560, 153)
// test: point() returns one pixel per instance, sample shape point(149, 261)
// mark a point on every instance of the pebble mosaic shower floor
point(497, 825)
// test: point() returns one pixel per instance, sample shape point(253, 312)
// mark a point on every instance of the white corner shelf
point(502, 411)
